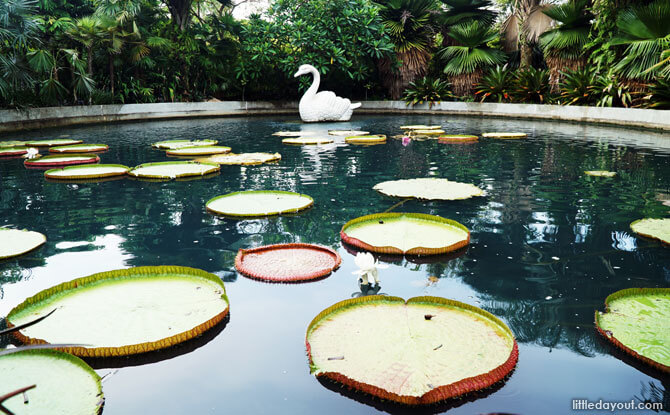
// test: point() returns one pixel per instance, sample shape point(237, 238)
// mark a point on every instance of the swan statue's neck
point(311, 91)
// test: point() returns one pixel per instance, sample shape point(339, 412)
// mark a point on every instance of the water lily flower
point(31, 154)
point(406, 140)
point(368, 267)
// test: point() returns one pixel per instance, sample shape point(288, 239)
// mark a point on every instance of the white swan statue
point(325, 105)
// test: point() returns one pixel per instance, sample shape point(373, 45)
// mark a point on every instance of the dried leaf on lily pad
point(424, 351)
point(62, 160)
point(420, 127)
point(287, 262)
point(175, 144)
point(366, 139)
point(600, 173)
point(457, 138)
point(54, 142)
point(637, 320)
point(14, 151)
point(405, 233)
point(242, 158)
point(173, 169)
point(347, 133)
point(653, 228)
point(307, 140)
point(64, 383)
point(259, 203)
point(124, 312)
point(198, 151)
point(93, 171)
point(505, 135)
point(80, 148)
point(15, 242)
point(429, 188)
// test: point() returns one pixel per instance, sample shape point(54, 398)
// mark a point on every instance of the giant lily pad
point(62, 160)
point(637, 320)
point(15, 242)
point(80, 148)
point(93, 171)
point(173, 169)
point(405, 233)
point(426, 132)
point(124, 312)
point(307, 140)
point(429, 188)
point(290, 133)
point(600, 173)
point(287, 262)
point(64, 383)
point(347, 133)
point(175, 144)
point(366, 139)
point(243, 158)
point(653, 228)
point(259, 203)
point(53, 142)
point(12, 143)
point(457, 138)
point(14, 151)
point(418, 352)
point(420, 127)
point(198, 151)
point(504, 135)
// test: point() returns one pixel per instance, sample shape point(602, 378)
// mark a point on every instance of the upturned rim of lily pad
point(617, 295)
point(53, 142)
point(213, 168)
point(457, 138)
point(14, 151)
point(52, 160)
point(251, 193)
point(128, 275)
point(168, 144)
point(389, 249)
point(40, 239)
point(12, 143)
point(366, 139)
point(634, 226)
point(504, 135)
point(79, 148)
point(269, 275)
point(439, 393)
point(86, 171)
point(198, 151)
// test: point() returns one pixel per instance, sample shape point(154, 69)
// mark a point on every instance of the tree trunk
point(557, 65)
point(111, 73)
point(414, 65)
point(180, 11)
point(89, 52)
point(465, 84)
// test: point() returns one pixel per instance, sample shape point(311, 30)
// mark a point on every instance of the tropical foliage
point(428, 90)
point(496, 85)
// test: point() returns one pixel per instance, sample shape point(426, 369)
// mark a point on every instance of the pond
point(548, 245)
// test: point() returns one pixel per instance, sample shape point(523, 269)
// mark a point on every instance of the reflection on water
point(548, 244)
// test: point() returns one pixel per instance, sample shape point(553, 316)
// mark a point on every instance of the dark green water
point(548, 245)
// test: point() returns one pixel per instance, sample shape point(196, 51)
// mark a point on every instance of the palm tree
point(466, 60)
point(410, 26)
point(89, 32)
point(460, 11)
point(563, 46)
point(523, 27)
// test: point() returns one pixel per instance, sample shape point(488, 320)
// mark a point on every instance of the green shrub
point(497, 85)
point(532, 86)
point(577, 87)
point(428, 90)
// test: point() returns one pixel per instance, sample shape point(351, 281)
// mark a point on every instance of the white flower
point(368, 267)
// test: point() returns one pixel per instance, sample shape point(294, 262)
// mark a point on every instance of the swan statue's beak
point(297, 74)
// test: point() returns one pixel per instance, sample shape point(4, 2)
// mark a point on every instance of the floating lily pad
point(175, 144)
point(457, 138)
point(64, 383)
point(243, 158)
point(62, 160)
point(80, 148)
point(53, 142)
point(505, 135)
point(653, 228)
point(600, 173)
point(259, 203)
point(15, 242)
point(420, 127)
point(307, 140)
point(637, 320)
point(173, 169)
point(12, 143)
point(290, 133)
point(347, 133)
point(429, 189)
point(15, 151)
point(287, 262)
point(418, 352)
point(426, 132)
point(405, 233)
point(366, 139)
point(87, 172)
point(124, 312)
point(198, 151)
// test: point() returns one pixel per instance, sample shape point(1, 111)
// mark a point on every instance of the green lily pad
point(509, 136)
point(12, 143)
point(420, 127)
point(653, 228)
point(93, 171)
point(173, 169)
point(405, 233)
point(307, 140)
point(64, 383)
point(175, 144)
point(637, 320)
point(600, 173)
point(80, 148)
point(124, 312)
point(457, 138)
point(429, 133)
point(15, 242)
point(290, 133)
point(198, 151)
point(347, 133)
point(14, 151)
point(366, 139)
point(53, 142)
point(429, 189)
point(62, 160)
point(259, 203)
point(242, 158)
point(418, 352)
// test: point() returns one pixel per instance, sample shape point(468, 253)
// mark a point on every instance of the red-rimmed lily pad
point(418, 352)
point(405, 233)
point(653, 228)
point(198, 151)
point(53, 142)
point(61, 160)
point(429, 188)
point(15, 242)
point(287, 262)
point(254, 203)
point(175, 144)
point(94, 171)
point(14, 151)
point(637, 320)
point(64, 383)
point(167, 170)
point(80, 148)
point(124, 312)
